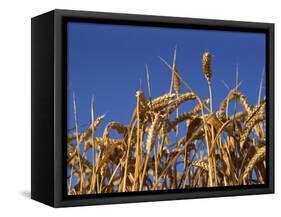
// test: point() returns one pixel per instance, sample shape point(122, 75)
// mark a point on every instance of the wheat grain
point(174, 104)
point(206, 65)
point(248, 128)
point(259, 156)
point(183, 117)
point(161, 102)
point(176, 80)
point(94, 126)
point(153, 132)
point(201, 164)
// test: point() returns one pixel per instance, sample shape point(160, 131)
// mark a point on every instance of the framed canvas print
point(134, 108)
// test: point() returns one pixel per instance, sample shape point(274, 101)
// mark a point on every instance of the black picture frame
point(48, 74)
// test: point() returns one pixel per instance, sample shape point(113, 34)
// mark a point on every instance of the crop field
point(165, 146)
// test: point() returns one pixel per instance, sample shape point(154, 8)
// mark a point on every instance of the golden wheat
point(155, 151)
point(206, 65)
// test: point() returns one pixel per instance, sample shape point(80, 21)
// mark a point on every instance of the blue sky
point(108, 61)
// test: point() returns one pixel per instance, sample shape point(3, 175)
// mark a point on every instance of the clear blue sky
point(108, 61)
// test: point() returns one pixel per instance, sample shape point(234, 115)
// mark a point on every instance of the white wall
point(15, 105)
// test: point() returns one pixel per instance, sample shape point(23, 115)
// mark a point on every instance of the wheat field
point(167, 147)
